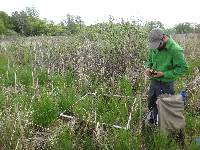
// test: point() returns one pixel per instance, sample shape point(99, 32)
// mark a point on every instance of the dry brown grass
point(190, 42)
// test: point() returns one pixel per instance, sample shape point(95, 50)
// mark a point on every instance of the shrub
point(64, 140)
point(2, 100)
point(66, 98)
point(25, 76)
point(42, 77)
point(45, 111)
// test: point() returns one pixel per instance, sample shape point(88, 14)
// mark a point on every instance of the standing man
point(165, 63)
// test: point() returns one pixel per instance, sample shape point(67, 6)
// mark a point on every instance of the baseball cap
point(155, 38)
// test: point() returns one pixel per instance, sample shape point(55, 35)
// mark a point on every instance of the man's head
point(157, 39)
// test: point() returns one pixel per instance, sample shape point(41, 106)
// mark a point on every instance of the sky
point(169, 12)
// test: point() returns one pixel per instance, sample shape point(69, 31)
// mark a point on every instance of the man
point(164, 65)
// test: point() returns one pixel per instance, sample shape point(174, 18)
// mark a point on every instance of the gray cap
point(155, 38)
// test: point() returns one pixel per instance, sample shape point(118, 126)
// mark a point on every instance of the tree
point(25, 21)
point(197, 28)
point(31, 11)
point(73, 24)
point(5, 23)
point(19, 21)
point(170, 31)
point(2, 27)
point(154, 24)
point(6, 19)
point(185, 27)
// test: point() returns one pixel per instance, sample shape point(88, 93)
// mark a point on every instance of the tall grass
point(95, 80)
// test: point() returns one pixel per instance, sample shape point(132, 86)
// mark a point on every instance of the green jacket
point(170, 61)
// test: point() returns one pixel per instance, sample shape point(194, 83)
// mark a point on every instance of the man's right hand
point(153, 73)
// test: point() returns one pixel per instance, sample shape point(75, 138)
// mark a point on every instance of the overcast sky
point(169, 12)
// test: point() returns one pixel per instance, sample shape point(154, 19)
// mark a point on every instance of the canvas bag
point(170, 112)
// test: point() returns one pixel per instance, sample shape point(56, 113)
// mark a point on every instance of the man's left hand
point(158, 74)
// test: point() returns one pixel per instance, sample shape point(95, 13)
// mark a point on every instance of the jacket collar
point(169, 42)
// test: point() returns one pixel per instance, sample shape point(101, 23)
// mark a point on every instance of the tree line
point(28, 23)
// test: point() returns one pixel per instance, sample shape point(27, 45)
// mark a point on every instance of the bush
point(66, 98)
point(64, 140)
point(42, 77)
point(25, 76)
point(2, 100)
point(45, 111)
point(125, 86)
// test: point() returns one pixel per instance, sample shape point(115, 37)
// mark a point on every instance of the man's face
point(162, 45)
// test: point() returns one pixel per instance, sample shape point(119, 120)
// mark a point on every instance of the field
point(87, 91)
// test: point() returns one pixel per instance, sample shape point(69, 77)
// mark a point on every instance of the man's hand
point(158, 74)
point(148, 72)
point(152, 73)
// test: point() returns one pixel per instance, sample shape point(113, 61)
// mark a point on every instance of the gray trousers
point(157, 88)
